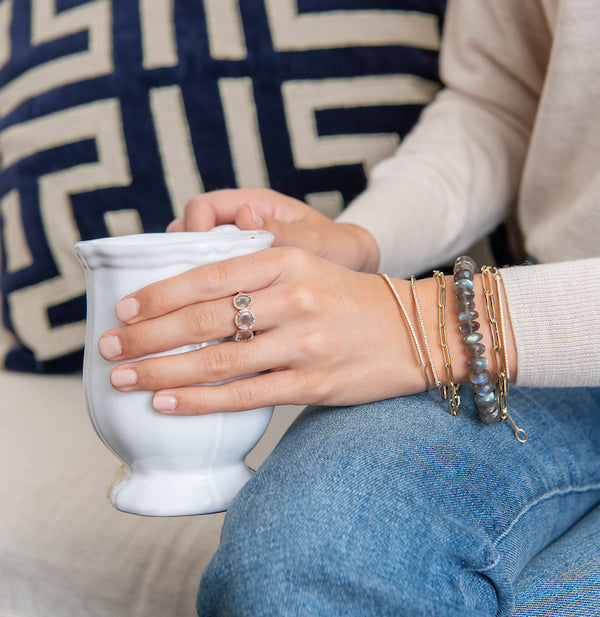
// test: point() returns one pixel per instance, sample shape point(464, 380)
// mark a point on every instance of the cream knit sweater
point(518, 125)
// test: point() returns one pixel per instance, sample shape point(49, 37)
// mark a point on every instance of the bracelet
point(449, 392)
point(499, 356)
point(413, 286)
point(499, 286)
point(422, 363)
point(479, 376)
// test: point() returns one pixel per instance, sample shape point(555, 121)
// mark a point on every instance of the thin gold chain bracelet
point(450, 391)
point(411, 328)
point(488, 274)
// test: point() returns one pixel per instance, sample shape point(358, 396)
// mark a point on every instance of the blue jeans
point(399, 508)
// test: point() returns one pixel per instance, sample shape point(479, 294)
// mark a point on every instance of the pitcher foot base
point(170, 493)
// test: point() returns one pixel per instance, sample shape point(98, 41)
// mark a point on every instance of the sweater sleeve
point(456, 176)
point(556, 323)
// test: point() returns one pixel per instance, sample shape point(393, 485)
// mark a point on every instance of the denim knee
point(376, 509)
point(344, 514)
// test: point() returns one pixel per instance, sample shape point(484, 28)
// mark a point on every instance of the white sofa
point(64, 551)
point(101, 99)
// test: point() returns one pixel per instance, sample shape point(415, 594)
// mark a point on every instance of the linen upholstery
point(64, 551)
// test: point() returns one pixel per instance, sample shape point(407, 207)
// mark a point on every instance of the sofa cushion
point(114, 114)
point(64, 551)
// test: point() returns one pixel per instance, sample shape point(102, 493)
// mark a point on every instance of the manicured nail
point(110, 346)
point(127, 309)
point(258, 219)
point(122, 377)
point(164, 403)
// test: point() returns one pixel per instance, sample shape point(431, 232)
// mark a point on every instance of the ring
point(244, 319)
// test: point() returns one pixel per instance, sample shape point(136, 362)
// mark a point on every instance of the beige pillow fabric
point(64, 551)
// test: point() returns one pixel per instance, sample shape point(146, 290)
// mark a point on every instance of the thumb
point(247, 218)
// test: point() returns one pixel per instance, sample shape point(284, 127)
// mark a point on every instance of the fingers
point(315, 325)
point(243, 207)
point(176, 225)
point(170, 377)
point(190, 325)
point(206, 217)
point(245, 217)
point(292, 223)
point(209, 365)
point(264, 390)
point(214, 281)
point(208, 210)
point(246, 208)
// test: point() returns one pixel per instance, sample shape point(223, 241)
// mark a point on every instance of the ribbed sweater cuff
point(556, 322)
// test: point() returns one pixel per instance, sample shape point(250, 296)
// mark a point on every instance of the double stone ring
point(244, 319)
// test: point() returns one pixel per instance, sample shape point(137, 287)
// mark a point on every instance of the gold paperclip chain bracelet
point(450, 391)
point(487, 276)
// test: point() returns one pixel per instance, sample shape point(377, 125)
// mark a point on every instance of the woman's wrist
point(364, 254)
point(427, 291)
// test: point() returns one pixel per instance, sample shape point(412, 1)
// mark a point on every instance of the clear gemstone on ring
point(242, 301)
point(245, 319)
point(241, 336)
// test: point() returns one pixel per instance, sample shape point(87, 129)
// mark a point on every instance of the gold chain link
point(488, 274)
point(450, 391)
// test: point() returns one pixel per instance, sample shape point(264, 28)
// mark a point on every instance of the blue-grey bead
point(473, 337)
point(463, 284)
point(463, 273)
point(465, 305)
point(490, 417)
point(469, 326)
point(478, 363)
point(465, 262)
point(463, 294)
point(483, 389)
point(476, 349)
point(468, 315)
point(479, 376)
point(485, 406)
point(482, 399)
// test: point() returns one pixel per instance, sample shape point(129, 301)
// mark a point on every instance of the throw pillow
point(114, 114)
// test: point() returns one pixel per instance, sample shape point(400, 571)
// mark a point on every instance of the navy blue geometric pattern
point(113, 114)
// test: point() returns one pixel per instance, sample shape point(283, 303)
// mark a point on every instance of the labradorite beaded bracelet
point(479, 376)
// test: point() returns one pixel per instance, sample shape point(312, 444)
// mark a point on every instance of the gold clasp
point(520, 434)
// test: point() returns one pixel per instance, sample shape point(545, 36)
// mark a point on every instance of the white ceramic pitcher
point(173, 465)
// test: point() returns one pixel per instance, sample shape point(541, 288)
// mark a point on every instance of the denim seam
point(529, 505)
point(534, 501)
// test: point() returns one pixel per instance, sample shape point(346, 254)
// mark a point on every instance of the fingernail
point(164, 403)
point(122, 377)
point(257, 218)
point(110, 346)
point(127, 309)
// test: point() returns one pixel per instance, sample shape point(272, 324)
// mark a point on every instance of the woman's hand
point(325, 334)
point(292, 222)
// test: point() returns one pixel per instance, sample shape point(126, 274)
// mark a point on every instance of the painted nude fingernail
point(164, 403)
point(258, 219)
point(110, 346)
point(120, 378)
point(127, 309)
